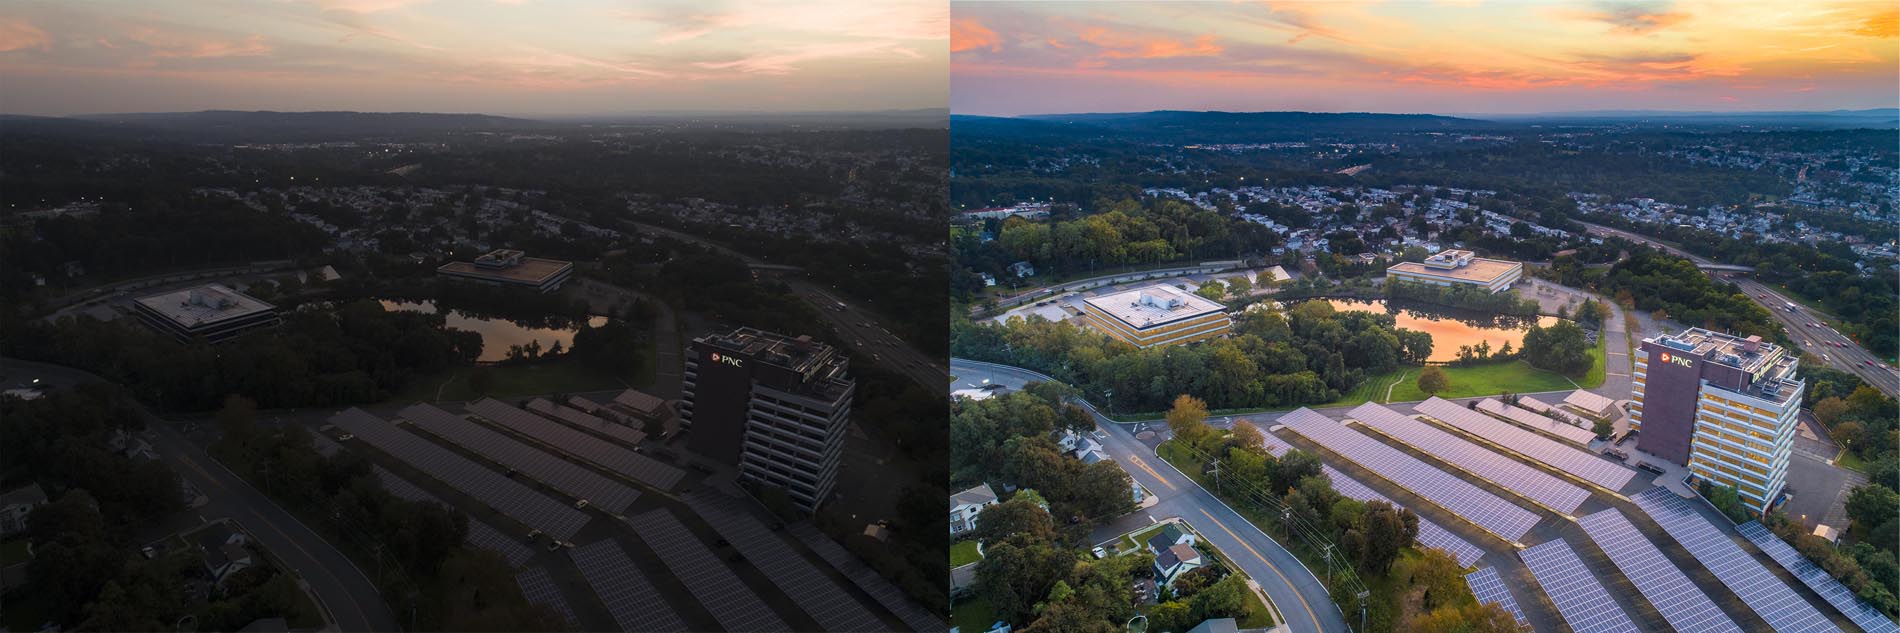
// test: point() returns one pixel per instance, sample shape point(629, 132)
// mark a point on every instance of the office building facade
point(1727, 407)
point(1156, 315)
point(775, 406)
point(212, 313)
point(1459, 268)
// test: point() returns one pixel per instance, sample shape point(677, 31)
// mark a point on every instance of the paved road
point(863, 328)
point(1298, 594)
point(348, 594)
point(1853, 358)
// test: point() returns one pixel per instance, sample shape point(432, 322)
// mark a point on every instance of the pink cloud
point(17, 35)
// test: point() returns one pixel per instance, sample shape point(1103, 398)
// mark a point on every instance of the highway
point(1820, 341)
point(343, 590)
point(862, 328)
point(1298, 595)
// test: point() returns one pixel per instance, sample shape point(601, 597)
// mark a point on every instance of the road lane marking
point(201, 471)
point(354, 606)
point(1276, 570)
point(1144, 466)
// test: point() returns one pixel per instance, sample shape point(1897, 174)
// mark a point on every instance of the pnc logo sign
point(1678, 360)
point(727, 359)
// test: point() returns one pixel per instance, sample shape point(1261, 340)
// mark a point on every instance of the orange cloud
point(16, 35)
point(1125, 46)
point(1635, 17)
point(967, 34)
point(1885, 24)
point(185, 46)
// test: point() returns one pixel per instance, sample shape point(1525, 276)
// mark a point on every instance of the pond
point(497, 334)
point(1449, 331)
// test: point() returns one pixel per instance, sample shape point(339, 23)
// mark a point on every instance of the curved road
point(1297, 593)
point(342, 589)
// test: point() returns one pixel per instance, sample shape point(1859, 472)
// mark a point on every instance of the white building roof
point(193, 307)
point(1150, 306)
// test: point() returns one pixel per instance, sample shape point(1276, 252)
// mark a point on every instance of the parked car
point(1099, 552)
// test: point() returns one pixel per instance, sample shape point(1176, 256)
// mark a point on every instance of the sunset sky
point(492, 56)
point(1467, 56)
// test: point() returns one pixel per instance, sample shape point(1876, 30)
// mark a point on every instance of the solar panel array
point(1773, 600)
point(626, 592)
point(538, 587)
point(1489, 587)
point(1539, 486)
point(556, 472)
point(1583, 601)
point(1862, 614)
point(880, 588)
point(607, 454)
point(1534, 404)
point(703, 574)
point(1429, 534)
point(1679, 600)
point(581, 419)
point(479, 534)
point(817, 594)
point(1450, 492)
point(1564, 430)
point(505, 495)
point(325, 446)
point(1579, 463)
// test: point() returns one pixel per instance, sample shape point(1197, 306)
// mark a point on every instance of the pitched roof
point(30, 494)
point(982, 494)
point(1588, 401)
point(1185, 552)
point(1216, 625)
point(1166, 538)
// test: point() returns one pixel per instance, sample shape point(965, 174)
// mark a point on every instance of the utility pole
point(1329, 563)
point(1216, 464)
point(1362, 609)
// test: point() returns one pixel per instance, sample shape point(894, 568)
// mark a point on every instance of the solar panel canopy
point(1448, 491)
point(1584, 603)
point(566, 439)
point(1536, 485)
point(626, 592)
point(1535, 421)
point(1773, 600)
point(505, 495)
point(814, 592)
point(1830, 589)
point(1429, 534)
point(1569, 459)
point(556, 472)
point(1488, 587)
point(702, 573)
point(1665, 586)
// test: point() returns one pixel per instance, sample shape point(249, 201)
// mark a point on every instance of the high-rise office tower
point(775, 406)
point(1722, 405)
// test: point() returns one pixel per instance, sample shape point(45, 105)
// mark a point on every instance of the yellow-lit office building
point(1459, 268)
point(1156, 315)
point(1725, 406)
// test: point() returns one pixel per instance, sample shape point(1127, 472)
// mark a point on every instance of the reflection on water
point(497, 334)
point(1448, 332)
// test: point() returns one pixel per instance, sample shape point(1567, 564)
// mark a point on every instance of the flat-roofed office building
point(212, 313)
point(1459, 268)
point(1725, 406)
point(508, 267)
point(1156, 315)
point(774, 405)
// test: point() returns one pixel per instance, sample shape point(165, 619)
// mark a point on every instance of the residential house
point(1176, 560)
point(1216, 625)
point(964, 506)
point(1022, 269)
point(1170, 535)
point(225, 552)
point(16, 505)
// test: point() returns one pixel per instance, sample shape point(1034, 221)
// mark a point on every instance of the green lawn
point(1850, 461)
point(1372, 389)
point(561, 376)
point(1489, 379)
point(963, 553)
point(1134, 541)
point(1598, 368)
point(972, 614)
point(1258, 615)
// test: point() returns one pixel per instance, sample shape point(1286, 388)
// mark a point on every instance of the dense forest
point(1306, 355)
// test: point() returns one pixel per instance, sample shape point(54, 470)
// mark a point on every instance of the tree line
point(1307, 354)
